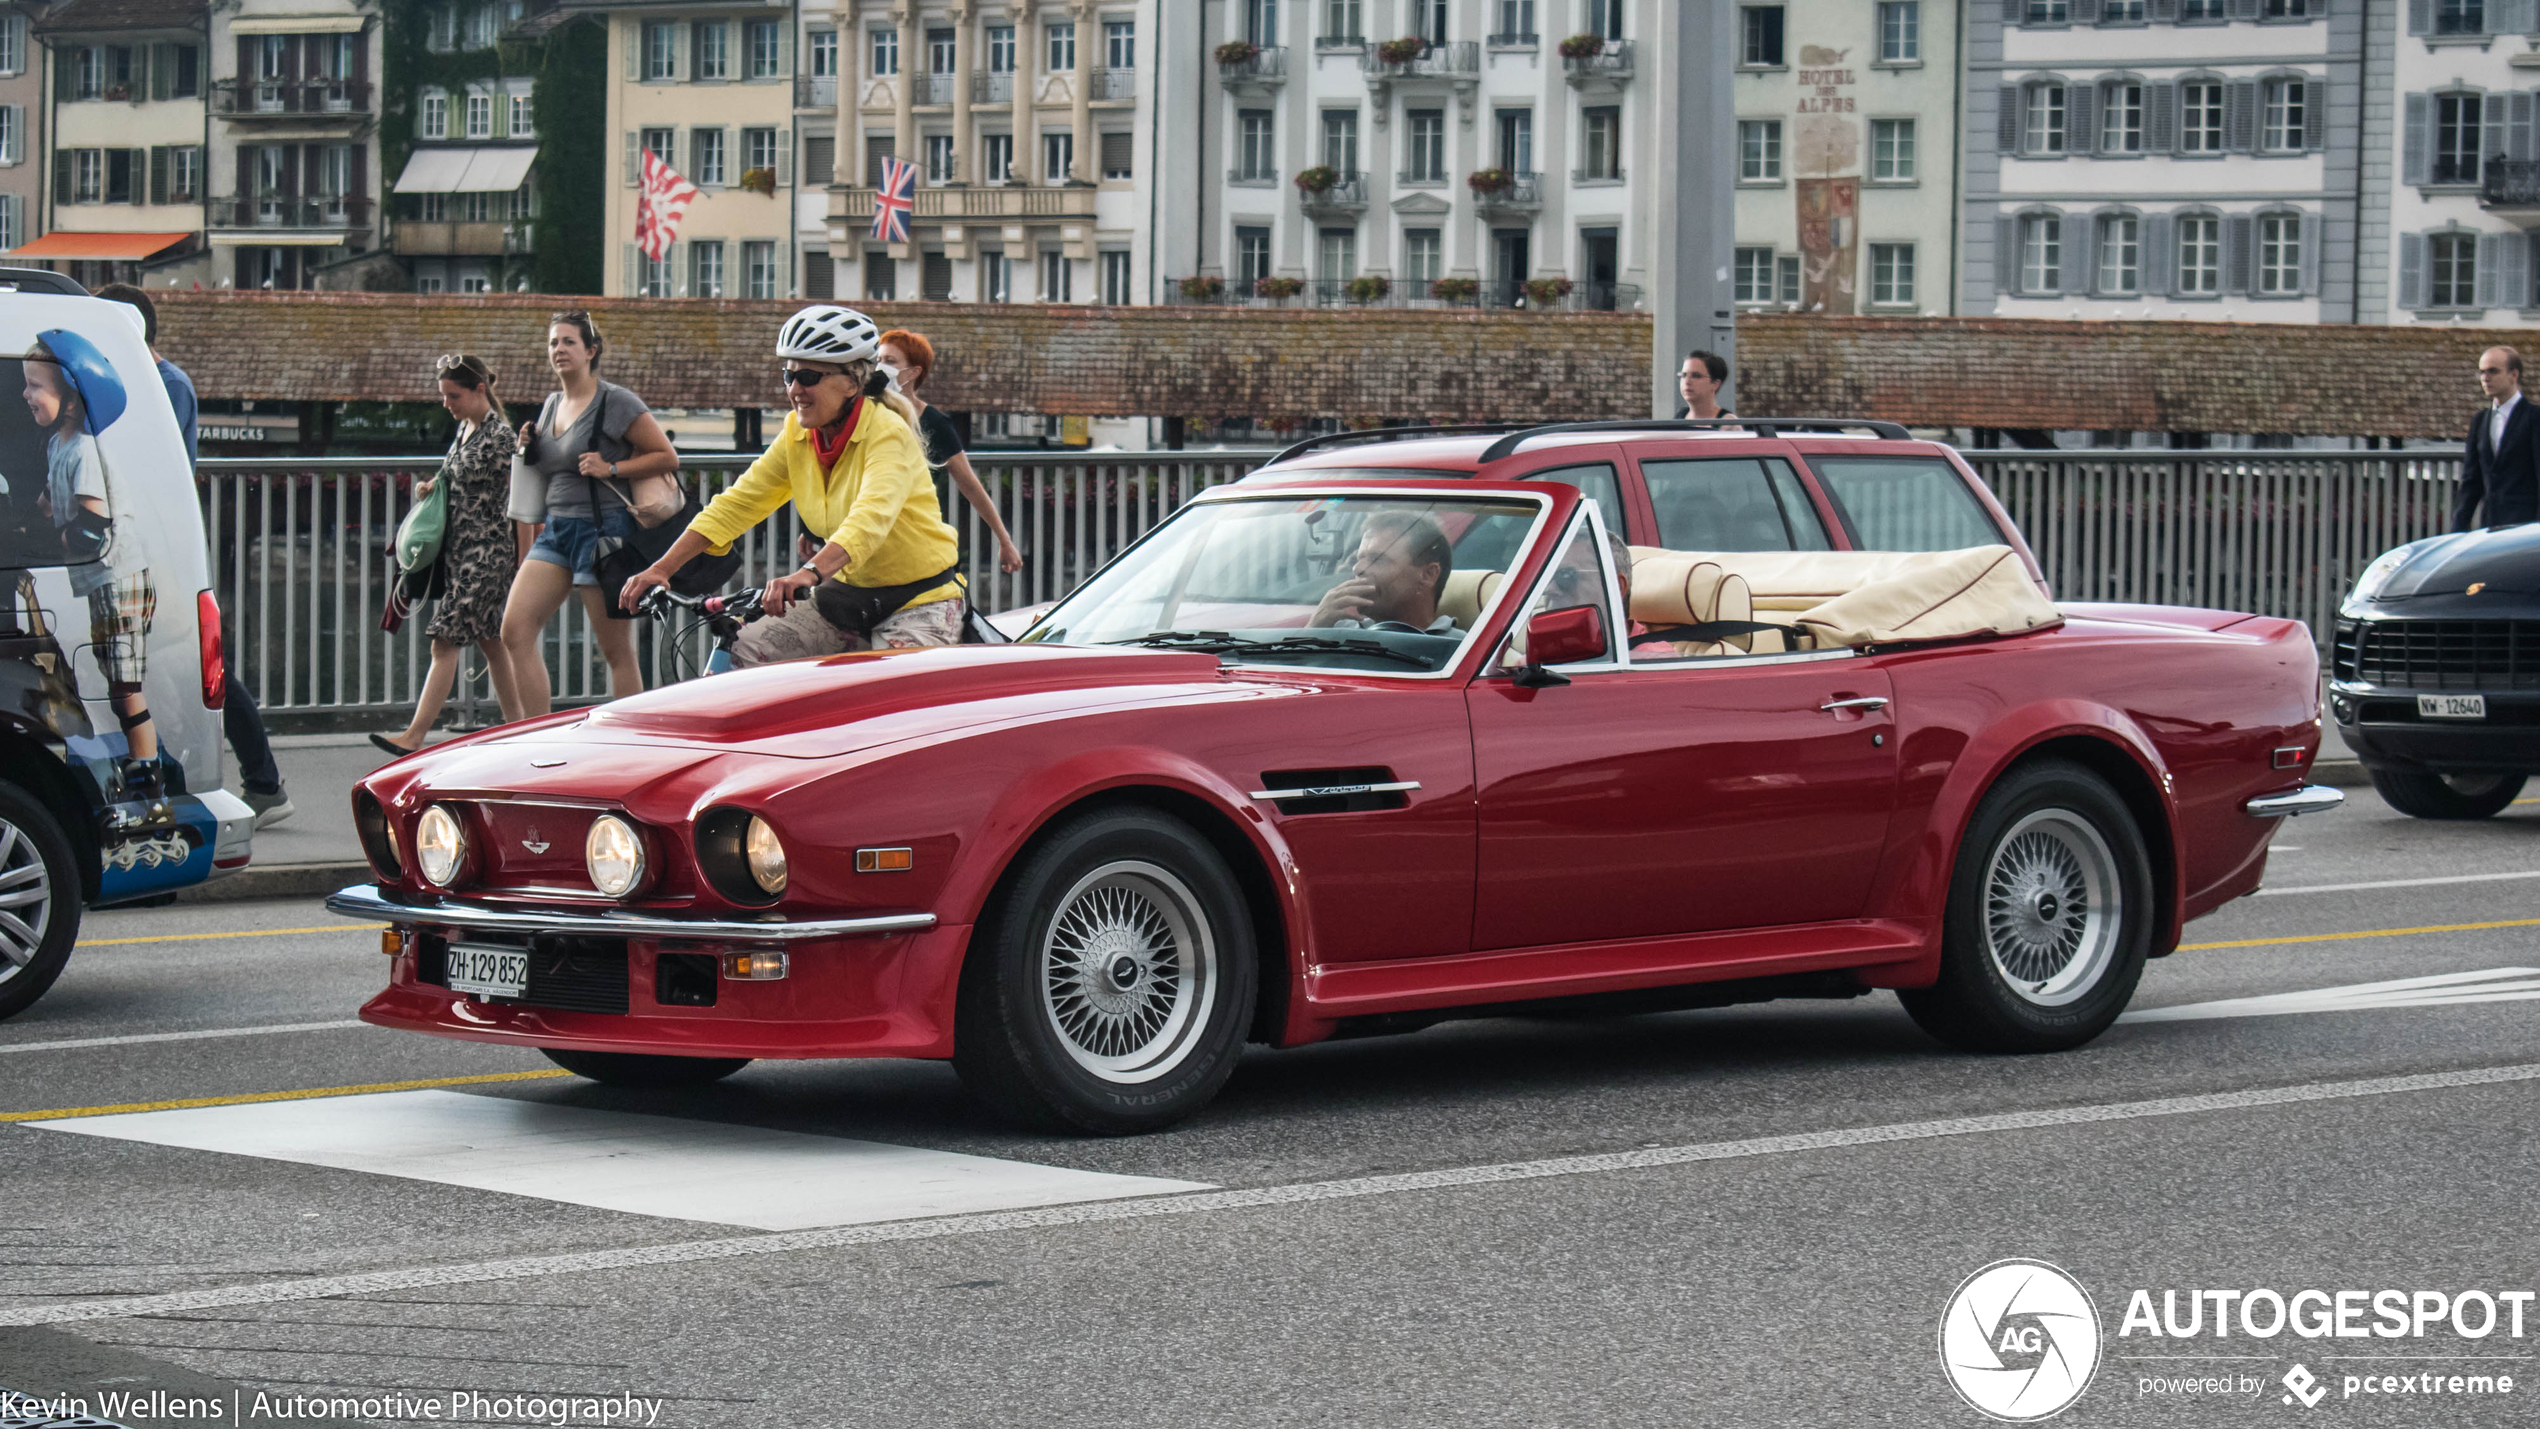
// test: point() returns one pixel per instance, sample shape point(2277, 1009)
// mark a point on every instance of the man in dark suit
point(2501, 467)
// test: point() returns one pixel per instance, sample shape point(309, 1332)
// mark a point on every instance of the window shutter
point(2014, 11)
point(2513, 270)
point(2153, 258)
point(2240, 115)
point(2311, 229)
point(820, 159)
point(2160, 124)
point(2081, 103)
point(2081, 273)
point(64, 63)
point(2240, 241)
point(2085, 12)
point(2412, 270)
point(159, 174)
point(2006, 257)
point(246, 60)
point(627, 289)
point(61, 177)
point(784, 157)
point(357, 175)
point(785, 271)
point(634, 156)
point(682, 52)
point(634, 53)
point(2314, 114)
point(2244, 9)
point(2504, 17)
point(162, 71)
point(2492, 139)
point(17, 136)
point(2420, 17)
point(2416, 147)
point(2490, 253)
point(2518, 114)
point(2164, 9)
point(785, 67)
point(2007, 122)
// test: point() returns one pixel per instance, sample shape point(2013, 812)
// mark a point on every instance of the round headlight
point(766, 855)
point(440, 845)
point(614, 853)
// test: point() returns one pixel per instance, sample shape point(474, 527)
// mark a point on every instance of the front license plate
point(489, 968)
point(2451, 707)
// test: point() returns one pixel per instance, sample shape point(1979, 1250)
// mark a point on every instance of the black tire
point(1137, 1030)
point(2422, 794)
point(2049, 838)
point(39, 899)
point(636, 1069)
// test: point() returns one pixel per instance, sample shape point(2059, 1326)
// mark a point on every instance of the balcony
point(1114, 84)
point(2510, 189)
point(278, 211)
point(996, 87)
point(1346, 191)
point(418, 239)
point(936, 88)
point(1263, 71)
point(291, 99)
point(1506, 190)
point(1610, 65)
point(1456, 60)
point(972, 205)
point(816, 93)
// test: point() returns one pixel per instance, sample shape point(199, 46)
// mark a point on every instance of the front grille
point(2471, 655)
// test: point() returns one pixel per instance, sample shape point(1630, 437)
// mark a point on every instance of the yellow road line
point(303, 1095)
point(2369, 933)
point(247, 933)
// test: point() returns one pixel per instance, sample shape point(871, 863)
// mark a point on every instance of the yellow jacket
point(878, 502)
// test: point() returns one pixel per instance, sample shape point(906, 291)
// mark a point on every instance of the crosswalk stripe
point(412, 1277)
point(306, 1094)
point(2435, 990)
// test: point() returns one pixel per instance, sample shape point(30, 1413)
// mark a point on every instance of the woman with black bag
point(849, 459)
point(601, 453)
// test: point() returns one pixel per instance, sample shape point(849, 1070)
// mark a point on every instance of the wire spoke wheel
point(2053, 907)
point(26, 901)
point(1128, 969)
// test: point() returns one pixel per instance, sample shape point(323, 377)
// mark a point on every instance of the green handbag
point(419, 535)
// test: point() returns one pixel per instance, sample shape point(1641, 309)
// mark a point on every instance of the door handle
point(1864, 702)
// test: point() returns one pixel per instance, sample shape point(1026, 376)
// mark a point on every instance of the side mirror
point(1560, 637)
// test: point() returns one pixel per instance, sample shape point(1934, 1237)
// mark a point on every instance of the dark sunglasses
point(805, 377)
point(1571, 580)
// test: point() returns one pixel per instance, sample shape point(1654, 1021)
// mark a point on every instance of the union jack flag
point(660, 207)
point(894, 200)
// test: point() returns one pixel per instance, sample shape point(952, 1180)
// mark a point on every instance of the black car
point(2435, 681)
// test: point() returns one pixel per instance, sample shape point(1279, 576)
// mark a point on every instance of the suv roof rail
point(39, 280)
point(1396, 434)
point(1891, 431)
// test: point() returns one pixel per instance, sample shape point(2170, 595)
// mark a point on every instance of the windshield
point(1379, 583)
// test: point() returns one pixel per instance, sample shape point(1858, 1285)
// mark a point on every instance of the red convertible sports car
point(1598, 717)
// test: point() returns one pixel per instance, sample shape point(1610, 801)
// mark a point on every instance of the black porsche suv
point(2435, 679)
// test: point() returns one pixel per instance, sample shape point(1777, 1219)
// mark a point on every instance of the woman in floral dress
point(478, 555)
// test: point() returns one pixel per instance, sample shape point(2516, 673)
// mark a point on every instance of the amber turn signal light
point(884, 860)
point(391, 941)
point(754, 967)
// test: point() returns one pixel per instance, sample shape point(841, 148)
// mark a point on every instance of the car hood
point(2434, 577)
point(816, 709)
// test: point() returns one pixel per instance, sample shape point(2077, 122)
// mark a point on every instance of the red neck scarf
point(827, 448)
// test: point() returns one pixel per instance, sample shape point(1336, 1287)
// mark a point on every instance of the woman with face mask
point(888, 574)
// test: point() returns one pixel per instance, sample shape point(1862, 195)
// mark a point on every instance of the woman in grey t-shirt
point(592, 439)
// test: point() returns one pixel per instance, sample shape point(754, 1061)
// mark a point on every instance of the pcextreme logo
point(2020, 1340)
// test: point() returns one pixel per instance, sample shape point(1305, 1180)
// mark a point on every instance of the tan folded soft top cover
point(1852, 597)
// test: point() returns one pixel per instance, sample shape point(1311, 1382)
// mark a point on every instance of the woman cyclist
point(850, 461)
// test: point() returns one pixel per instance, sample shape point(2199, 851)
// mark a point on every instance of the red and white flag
point(661, 205)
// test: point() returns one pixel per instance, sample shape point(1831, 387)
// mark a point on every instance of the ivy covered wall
point(567, 68)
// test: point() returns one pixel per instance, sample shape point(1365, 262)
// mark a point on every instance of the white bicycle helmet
point(829, 333)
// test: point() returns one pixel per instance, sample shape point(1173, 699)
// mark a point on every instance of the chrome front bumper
point(363, 900)
point(2309, 799)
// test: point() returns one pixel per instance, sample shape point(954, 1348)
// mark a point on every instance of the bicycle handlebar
point(745, 606)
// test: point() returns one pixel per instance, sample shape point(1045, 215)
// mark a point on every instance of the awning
point(467, 170)
point(65, 244)
point(299, 25)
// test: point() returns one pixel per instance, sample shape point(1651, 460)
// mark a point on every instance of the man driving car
point(1401, 566)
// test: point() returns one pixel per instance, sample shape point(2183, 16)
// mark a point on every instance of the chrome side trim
point(1334, 791)
point(2309, 799)
point(363, 900)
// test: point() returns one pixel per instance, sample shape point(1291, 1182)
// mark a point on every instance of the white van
point(110, 657)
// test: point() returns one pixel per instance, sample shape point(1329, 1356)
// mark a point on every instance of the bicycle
point(722, 615)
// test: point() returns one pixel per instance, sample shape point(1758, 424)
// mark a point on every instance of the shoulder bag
point(619, 558)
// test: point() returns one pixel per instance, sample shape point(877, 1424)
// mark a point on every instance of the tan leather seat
point(1842, 597)
point(1465, 593)
point(1670, 588)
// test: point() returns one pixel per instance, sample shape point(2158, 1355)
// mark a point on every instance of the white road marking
point(68, 1043)
point(2398, 883)
point(2439, 990)
point(621, 1161)
point(730, 1247)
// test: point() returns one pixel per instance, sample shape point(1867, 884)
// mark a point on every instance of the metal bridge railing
point(302, 565)
point(300, 549)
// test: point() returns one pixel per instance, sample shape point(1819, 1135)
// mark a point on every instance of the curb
point(278, 880)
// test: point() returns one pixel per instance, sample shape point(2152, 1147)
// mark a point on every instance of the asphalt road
point(1745, 1216)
